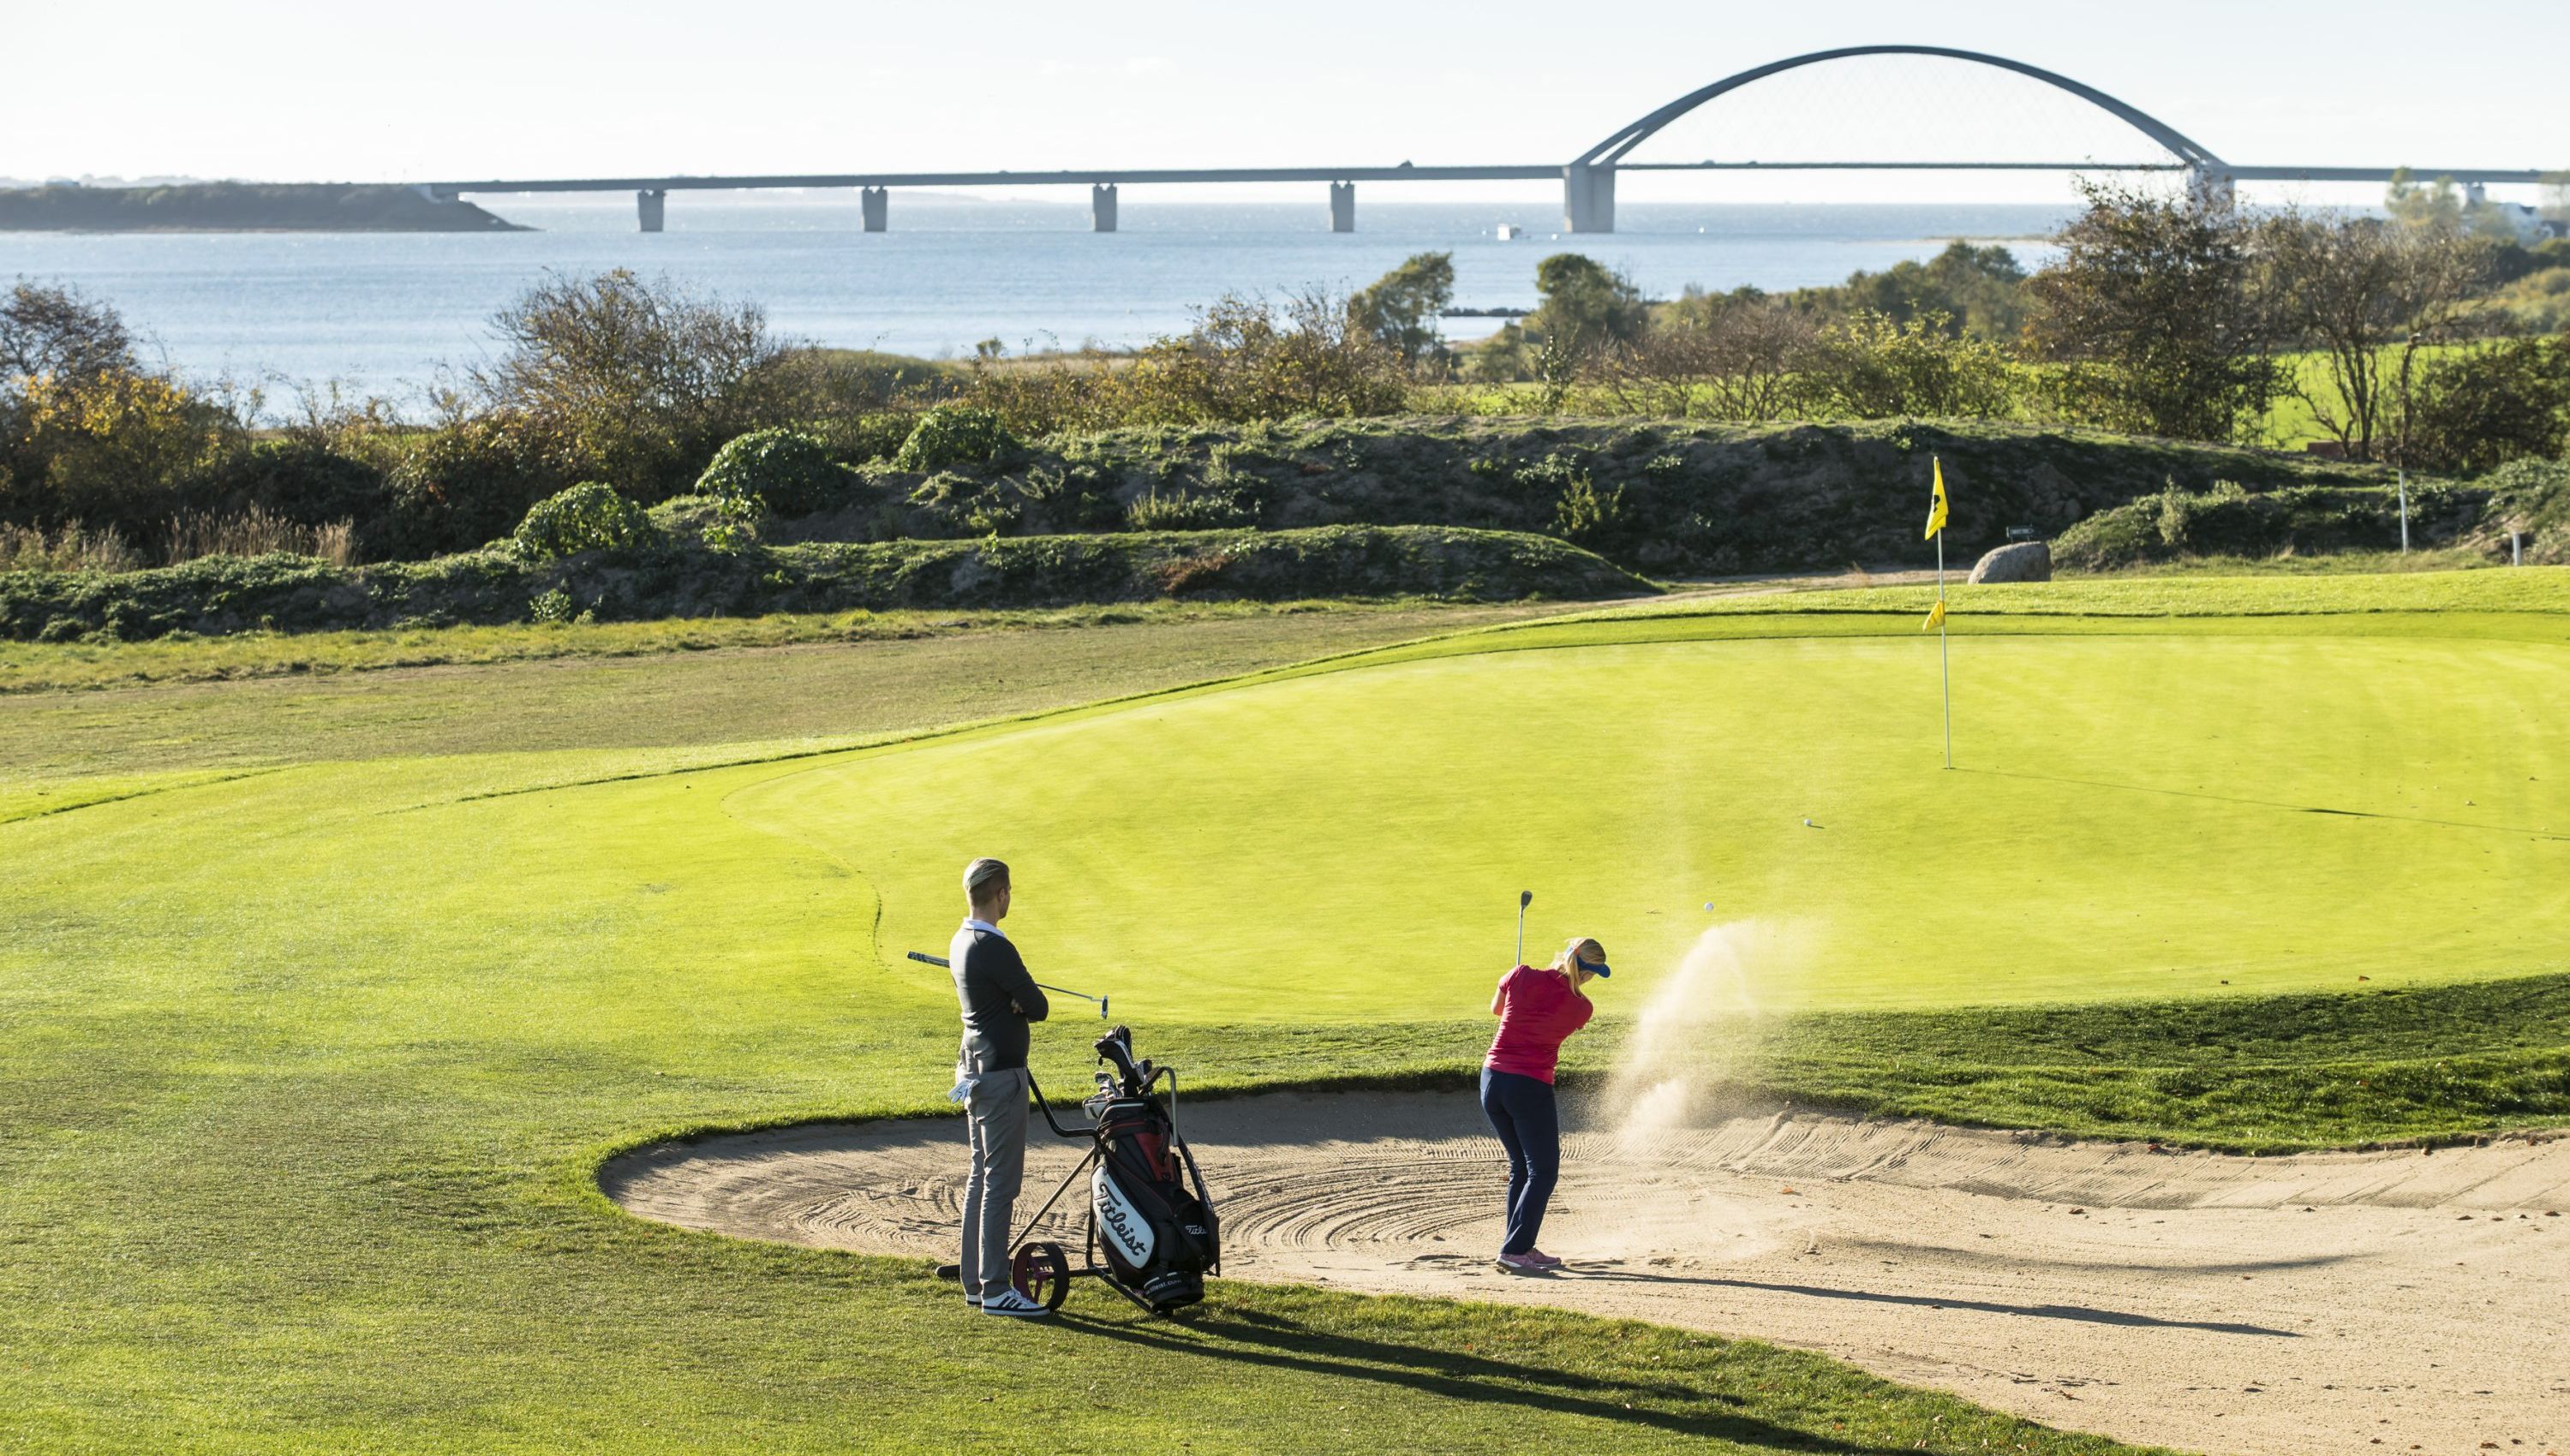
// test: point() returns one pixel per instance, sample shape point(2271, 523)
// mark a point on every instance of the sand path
point(2318, 1302)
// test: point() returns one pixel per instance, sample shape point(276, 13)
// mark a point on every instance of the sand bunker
point(2318, 1302)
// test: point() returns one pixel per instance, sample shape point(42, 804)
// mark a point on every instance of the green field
point(314, 1039)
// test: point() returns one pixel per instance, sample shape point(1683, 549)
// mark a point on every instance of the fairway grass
point(308, 1072)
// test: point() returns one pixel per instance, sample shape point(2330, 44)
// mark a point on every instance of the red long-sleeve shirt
point(1538, 1010)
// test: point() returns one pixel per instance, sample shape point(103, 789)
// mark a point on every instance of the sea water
point(384, 313)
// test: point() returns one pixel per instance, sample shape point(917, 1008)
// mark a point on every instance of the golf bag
point(1153, 1218)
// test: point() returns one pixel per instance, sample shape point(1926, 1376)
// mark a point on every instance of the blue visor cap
point(1596, 968)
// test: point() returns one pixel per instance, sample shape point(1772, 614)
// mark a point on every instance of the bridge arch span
point(2189, 152)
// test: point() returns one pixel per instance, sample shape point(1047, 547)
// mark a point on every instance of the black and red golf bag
point(1153, 1216)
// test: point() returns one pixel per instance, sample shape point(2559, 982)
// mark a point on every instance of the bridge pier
point(651, 204)
point(2211, 186)
point(1101, 207)
point(874, 205)
point(1588, 197)
point(1343, 207)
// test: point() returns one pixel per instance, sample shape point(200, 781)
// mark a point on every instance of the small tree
point(1978, 291)
point(59, 333)
point(2153, 306)
point(2436, 207)
point(1586, 305)
point(2369, 297)
point(1400, 309)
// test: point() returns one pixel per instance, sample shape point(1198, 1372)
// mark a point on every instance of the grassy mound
point(1668, 498)
point(2531, 497)
point(220, 594)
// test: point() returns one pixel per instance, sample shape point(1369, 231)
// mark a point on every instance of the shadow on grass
point(2080, 1312)
point(2540, 834)
point(1273, 1342)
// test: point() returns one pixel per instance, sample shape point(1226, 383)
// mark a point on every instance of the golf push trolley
point(1151, 1233)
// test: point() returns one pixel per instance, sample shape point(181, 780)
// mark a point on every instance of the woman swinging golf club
point(1538, 1008)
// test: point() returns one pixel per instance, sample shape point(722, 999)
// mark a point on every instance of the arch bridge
point(1588, 180)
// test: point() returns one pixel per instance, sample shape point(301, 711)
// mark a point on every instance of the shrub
point(954, 435)
point(589, 517)
point(1872, 368)
point(635, 381)
point(1587, 515)
point(303, 480)
point(116, 450)
point(863, 439)
point(782, 473)
point(2490, 405)
point(1182, 510)
point(465, 485)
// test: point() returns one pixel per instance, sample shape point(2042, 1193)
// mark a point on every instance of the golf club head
point(1524, 898)
point(1102, 1008)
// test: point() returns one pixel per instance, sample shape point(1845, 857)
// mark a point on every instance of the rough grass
point(56, 666)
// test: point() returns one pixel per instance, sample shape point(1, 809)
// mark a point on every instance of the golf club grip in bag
point(1156, 1227)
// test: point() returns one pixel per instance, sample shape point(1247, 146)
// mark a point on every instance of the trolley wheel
point(1042, 1272)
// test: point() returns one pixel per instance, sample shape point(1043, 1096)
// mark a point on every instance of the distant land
point(239, 207)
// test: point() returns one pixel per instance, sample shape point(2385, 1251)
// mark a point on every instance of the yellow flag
point(1937, 508)
point(1936, 616)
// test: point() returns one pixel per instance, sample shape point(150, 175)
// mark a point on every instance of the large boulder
point(2026, 560)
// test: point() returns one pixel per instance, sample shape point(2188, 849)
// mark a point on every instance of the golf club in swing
point(943, 964)
point(1524, 898)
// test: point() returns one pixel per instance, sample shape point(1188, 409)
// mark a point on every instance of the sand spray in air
point(1699, 1028)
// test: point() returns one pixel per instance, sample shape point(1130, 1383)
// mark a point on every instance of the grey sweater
point(998, 998)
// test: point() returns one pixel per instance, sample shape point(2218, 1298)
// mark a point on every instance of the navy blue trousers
point(1520, 1111)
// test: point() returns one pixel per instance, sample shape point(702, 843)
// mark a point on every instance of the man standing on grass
point(999, 1000)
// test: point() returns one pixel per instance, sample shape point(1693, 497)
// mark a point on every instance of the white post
point(1945, 667)
point(2516, 548)
point(2404, 512)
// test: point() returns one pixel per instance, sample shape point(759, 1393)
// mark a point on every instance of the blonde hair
point(1596, 954)
point(983, 873)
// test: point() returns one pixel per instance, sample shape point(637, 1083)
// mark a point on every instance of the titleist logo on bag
point(1127, 1231)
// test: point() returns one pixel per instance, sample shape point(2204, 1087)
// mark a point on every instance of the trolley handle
point(1079, 1135)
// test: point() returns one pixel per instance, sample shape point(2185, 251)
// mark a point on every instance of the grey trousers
point(995, 1121)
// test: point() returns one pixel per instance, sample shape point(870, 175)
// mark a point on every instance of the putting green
point(2138, 815)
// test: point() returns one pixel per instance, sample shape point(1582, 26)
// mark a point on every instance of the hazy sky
point(283, 89)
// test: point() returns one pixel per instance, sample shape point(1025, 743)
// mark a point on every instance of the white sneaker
point(1015, 1306)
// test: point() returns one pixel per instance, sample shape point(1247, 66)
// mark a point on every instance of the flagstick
point(1944, 665)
